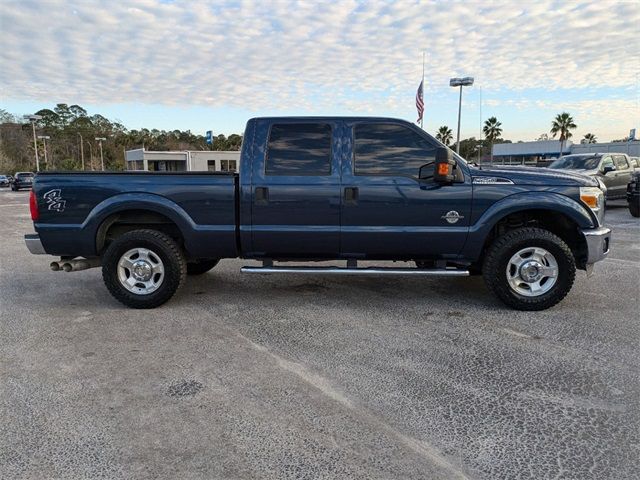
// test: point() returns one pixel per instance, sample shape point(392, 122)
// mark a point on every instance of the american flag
point(420, 102)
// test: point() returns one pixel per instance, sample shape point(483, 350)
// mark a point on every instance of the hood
point(535, 176)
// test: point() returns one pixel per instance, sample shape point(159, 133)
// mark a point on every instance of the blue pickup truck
point(327, 188)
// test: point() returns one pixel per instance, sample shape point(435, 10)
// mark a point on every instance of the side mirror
point(443, 168)
point(608, 168)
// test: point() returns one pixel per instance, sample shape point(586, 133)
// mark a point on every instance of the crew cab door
point(295, 197)
point(622, 175)
point(387, 212)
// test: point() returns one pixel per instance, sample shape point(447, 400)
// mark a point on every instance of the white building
point(529, 152)
point(534, 152)
point(182, 161)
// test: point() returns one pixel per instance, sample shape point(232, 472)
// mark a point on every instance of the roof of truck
point(333, 117)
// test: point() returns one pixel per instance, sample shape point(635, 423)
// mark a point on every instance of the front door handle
point(351, 195)
point(262, 196)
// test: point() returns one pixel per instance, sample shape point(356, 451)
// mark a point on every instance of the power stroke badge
point(54, 200)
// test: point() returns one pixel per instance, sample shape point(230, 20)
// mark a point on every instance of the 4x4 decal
point(54, 200)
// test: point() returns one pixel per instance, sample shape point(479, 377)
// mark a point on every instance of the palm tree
point(590, 138)
point(445, 135)
point(563, 124)
point(492, 131)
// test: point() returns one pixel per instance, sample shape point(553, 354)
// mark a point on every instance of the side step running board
point(433, 272)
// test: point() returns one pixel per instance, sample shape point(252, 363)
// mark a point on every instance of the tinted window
point(299, 149)
point(621, 162)
point(388, 149)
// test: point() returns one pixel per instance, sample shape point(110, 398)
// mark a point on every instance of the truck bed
point(203, 204)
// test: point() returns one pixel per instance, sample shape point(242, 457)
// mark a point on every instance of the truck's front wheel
point(143, 268)
point(529, 269)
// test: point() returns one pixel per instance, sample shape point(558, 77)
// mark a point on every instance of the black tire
point(634, 207)
point(505, 247)
point(201, 266)
point(163, 246)
point(14, 188)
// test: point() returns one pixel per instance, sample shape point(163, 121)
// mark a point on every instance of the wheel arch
point(556, 213)
point(134, 211)
point(128, 220)
point(555, 222)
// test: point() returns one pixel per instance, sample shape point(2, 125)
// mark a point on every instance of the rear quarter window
point(621, 162)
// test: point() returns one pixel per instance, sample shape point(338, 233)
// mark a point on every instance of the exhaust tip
point(67, 267)
point(55, 266)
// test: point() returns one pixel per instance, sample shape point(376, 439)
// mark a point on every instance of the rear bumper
point(597, 243)
point(32, 240)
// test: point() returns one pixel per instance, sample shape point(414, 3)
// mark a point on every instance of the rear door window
point(621, 162)
point(299, 149)
point(391, 150)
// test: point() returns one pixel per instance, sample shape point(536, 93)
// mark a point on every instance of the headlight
point(593, 198)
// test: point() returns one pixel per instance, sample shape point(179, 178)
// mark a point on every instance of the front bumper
point(34, 244)
point(598, 240)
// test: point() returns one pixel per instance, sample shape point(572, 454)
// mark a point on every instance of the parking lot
point(245, 376)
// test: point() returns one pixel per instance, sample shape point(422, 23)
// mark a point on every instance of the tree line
point(71, 144)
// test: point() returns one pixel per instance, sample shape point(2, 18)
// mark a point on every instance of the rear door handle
point(262, 195)
point(351, 195)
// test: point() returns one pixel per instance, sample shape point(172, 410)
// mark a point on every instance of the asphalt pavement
point(250, 376)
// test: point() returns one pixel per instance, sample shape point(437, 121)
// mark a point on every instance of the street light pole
point(460, 82)
point(100, 139)
point(90, 154)
point(33, 119)
point(81, 151)
point(44, 139)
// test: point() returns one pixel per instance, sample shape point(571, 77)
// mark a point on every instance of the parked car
point(22, 180)
point(327, 188)
point(612, 169)
point(633, 194)
point(4, 181)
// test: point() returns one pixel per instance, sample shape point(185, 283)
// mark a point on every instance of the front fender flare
point(520, 202)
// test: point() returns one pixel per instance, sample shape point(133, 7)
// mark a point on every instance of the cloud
point(309, 55)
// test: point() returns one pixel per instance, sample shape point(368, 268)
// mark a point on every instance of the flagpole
point(422, 117)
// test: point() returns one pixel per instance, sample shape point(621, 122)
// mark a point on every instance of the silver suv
point(611, 169)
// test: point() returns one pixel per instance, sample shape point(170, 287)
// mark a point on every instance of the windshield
point(576, 162)
point(24, 175)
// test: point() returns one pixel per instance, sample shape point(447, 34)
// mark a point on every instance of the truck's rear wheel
point(200, 266)
point(529, 269)
point(143, 268)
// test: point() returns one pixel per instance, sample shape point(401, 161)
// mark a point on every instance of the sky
point(212, 65)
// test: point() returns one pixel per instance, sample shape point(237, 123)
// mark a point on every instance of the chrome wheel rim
point(532, 271)
point(140, 271)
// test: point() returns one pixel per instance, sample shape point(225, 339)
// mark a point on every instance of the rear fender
point(140, 201)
